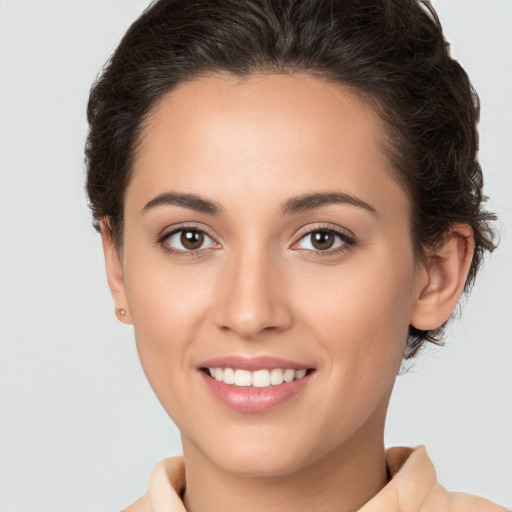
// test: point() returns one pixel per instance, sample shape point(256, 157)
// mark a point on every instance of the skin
point(259, 287)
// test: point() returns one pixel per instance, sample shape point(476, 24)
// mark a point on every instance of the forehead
point(290, 134)
point(299, 108)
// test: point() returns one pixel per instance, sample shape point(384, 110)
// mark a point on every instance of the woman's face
point(265, 231)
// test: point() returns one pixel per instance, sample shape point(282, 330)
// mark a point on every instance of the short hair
point(391, 52)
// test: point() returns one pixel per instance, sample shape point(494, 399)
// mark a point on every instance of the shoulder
point(457, 501)
point(165, 487)
point(141, 505)
point(415, 484)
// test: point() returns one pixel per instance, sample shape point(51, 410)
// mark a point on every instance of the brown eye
point(188, 240)
point(322, 240)
point(192, 240)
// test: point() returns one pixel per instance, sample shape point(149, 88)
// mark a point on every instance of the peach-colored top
point(413, 488)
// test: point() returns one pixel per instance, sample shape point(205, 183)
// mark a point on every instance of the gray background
point(79, 427)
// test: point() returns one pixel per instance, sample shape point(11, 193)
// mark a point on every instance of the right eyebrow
point(192, 201)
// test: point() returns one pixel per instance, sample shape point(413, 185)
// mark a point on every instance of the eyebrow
point(293, 205)
point(311, 201)
point(192, 201)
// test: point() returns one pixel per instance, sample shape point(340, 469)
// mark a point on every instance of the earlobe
point(115, 276)
point(447, 268)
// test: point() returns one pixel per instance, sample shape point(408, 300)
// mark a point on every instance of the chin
point(275, 464)
point(259, 456)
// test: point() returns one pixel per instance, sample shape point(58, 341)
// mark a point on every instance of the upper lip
point(252, 363)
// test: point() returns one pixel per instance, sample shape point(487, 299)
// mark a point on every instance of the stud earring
point(122, 311)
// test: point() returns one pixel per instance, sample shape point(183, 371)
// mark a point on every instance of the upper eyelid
point(171, 230)
point(307, 230)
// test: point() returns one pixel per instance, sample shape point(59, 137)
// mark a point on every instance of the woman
point(290, 204)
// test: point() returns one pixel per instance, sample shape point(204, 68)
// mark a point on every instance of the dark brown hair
point(392, 52)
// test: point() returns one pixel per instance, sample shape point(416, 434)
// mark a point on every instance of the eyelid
point(169, 231)
point(346, 236)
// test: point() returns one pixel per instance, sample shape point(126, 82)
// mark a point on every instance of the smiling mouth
point(258, 379)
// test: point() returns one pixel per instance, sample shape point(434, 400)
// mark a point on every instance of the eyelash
point(346, 242)
point(179, 252)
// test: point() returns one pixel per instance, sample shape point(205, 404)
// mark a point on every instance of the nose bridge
point(253, 298)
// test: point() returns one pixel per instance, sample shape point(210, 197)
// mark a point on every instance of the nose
point(254, 297)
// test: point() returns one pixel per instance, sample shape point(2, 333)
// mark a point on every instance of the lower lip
point(253, 399)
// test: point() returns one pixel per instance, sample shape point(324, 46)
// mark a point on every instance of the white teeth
point(276, 377)
point(229, 376)
point(261, 379)
point(300, 373)
point(289, 375)
point(243, 378)
point(258, 378)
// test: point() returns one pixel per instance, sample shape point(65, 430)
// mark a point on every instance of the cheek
point(167, 307)
point(370, 299)
point(360, 324)
point(361, 319)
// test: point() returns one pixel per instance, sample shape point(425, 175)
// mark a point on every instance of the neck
point(341, 481)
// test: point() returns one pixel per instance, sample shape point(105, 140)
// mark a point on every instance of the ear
point(115, 276)
point(447, 268)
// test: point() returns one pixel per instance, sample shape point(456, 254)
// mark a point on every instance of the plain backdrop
point(80, 429)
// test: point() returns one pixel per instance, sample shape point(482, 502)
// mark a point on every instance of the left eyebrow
point(311, 201)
